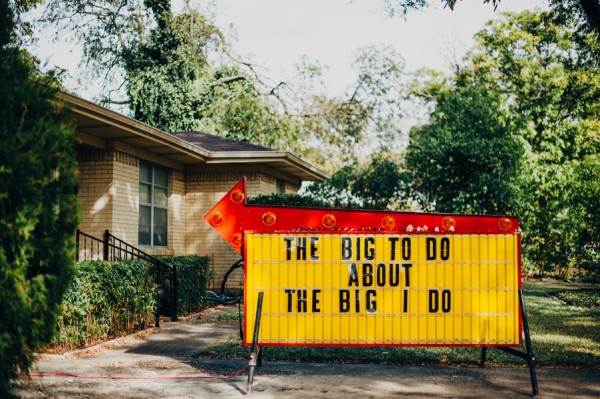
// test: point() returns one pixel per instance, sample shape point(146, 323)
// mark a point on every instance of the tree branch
point(115, 102)
point(229, 79)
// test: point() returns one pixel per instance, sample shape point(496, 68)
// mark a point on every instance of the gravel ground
point(149, 361)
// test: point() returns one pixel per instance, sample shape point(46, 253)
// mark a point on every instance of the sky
point(277, 33)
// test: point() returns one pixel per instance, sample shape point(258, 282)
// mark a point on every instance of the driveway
point(158, 363)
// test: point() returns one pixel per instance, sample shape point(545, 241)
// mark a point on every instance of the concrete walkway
point(167, 352)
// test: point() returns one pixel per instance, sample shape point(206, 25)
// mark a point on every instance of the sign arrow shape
point(232, 216)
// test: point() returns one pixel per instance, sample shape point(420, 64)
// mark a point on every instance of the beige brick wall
point(177, 214)
point(203, 191)
point(94, 185)
point(291, 188)
point(107, 187)
point(125, 193)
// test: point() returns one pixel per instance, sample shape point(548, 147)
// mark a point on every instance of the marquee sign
point(339, 277)
point(384, 289)
point(331, 277)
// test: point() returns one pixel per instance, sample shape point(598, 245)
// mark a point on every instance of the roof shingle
point(215, 143)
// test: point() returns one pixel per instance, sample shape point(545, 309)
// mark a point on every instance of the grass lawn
point(565, 333)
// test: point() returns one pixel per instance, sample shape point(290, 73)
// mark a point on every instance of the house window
point(154, 190)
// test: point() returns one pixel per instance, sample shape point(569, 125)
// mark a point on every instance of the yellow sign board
point(383, 289)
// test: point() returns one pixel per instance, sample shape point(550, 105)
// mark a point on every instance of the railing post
point(77, 246)
point(174, 287)
point(106, 236)
point(157, 268)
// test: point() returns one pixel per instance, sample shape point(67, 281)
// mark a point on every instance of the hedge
point(105, 300)
point(112, 299)
point(193, 274)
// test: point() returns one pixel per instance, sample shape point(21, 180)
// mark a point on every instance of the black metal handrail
point(112, 248)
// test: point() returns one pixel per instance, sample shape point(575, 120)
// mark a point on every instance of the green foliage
point(402, 7)
point(232, 106)
point(38, 212)
point(552, 88)
point(584, 298)
point(465, 160)
point(591, 269)
point(586, 13)
point(107, 30)
point(112, 299)
point(379, 183)
point(105, 300)
point(163, 71)
point(193, 275)
point(362, 120)
point(540, 88)
point(20, 6)
point(584, 213)
point(288, 200)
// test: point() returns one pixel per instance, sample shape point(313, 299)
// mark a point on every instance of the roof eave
point(304, 169)
point(279, 159)
point(84, 107)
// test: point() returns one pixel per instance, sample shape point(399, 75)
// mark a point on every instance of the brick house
point(151, 188)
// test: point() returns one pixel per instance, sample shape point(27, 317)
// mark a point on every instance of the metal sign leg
point(255, 351)
point(528, 355)
point(531, 360)
point(483, 356)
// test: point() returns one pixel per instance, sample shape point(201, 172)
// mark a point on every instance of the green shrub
point(287, 200)
point(38, 205)
point(591, 270)
point(193, 274)
point(583, 298)
point(106, 299)
point(112, 299)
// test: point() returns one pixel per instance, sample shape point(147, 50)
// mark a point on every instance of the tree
point(585, 12)
point(168, 80)
point(378, 183)
point(466, 159)
point(548, 83)
point(365, 117)
point(38, 212)
point(233, 106)
point(172, 81)
point(162, 70)
point(584, 213)
point(551, 80)
point(145, 56)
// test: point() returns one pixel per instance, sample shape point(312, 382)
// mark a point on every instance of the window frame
point(153, 205)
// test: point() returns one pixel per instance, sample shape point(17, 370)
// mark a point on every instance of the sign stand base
point(528, 355)
point(255, 351)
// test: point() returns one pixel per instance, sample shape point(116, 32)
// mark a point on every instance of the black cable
point(239, 263)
